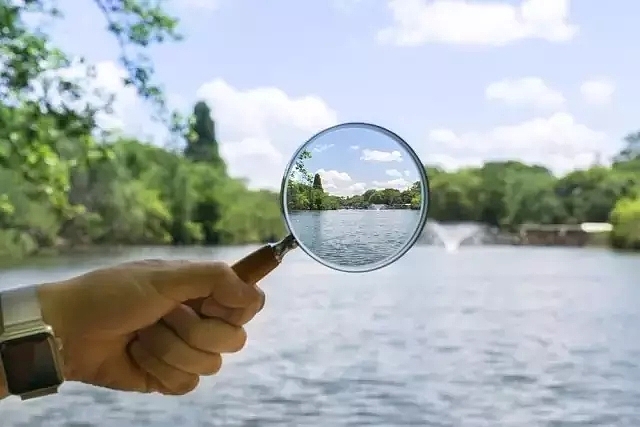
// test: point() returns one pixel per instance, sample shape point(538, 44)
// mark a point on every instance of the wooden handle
point(251, 269)
point(255, 266)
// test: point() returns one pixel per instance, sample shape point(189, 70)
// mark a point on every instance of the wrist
point(53, 309)
point(30, 345)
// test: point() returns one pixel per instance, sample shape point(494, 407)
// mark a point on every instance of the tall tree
point(202, 145)
point(631, 149)
point(202, 148)
point(317, 182)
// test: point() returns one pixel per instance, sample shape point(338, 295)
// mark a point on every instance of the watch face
point(29, 363)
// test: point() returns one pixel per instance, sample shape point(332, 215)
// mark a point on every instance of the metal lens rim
point(424, 206)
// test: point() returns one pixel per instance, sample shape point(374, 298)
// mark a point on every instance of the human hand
point(132, 326)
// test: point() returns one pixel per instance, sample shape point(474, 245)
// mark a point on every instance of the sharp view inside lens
point(353, 197)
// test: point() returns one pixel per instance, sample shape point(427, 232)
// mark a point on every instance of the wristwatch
point(30, 354)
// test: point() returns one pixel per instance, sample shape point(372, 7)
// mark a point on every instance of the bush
point(625, 219)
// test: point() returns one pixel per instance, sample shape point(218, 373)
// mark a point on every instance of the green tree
point(631, 150)
point(65, 182)
point(300, 169)
point(317, 182)
point(202, 145)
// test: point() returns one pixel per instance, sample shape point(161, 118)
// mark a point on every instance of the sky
point(353, 159)
point(552, 82)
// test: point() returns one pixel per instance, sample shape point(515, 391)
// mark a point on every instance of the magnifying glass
point(355, 198)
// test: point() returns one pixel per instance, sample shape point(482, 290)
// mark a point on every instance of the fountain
point(454, 235)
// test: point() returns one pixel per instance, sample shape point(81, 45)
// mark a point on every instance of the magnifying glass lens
point(355, 197)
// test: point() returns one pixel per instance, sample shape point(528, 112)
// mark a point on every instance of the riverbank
point(571, 235)
point(529, 235)
point(63, 248)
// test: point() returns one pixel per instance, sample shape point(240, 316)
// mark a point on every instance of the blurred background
point(135, 129)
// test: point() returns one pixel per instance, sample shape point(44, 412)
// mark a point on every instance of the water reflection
point(355, 237)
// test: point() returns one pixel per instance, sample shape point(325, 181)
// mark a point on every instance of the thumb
point(193, 280)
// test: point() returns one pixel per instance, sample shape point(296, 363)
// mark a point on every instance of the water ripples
point(473, 338)
point(354, 238)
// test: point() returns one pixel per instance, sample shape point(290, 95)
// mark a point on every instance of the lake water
point(486, 336)
point(355, 238)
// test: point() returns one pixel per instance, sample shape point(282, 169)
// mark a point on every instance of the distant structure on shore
point(562, 234)
point(397, 206)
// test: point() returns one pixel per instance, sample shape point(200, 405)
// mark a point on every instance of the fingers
point(160, 341)
point(175, 351)
point(208, 335)
point(235, 316)
point(161, 377)
point(191, 280)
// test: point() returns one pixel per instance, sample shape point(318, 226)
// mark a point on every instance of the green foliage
point(141, 194)
point(317, 182)
point(306, 192)
point(300, 172)
point(65, 182)
point(631, 151)
point(503, 194)
point(301, 196)
point(625, 219)
point(202, 145)
point(510, 194)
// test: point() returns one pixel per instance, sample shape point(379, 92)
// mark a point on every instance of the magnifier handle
point(255, 266)
point(251, 269)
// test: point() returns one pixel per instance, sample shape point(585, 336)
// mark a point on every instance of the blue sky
point(548, 81)
point(352, 159)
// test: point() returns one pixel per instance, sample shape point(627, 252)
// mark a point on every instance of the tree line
point(129, 192)
point(509, 194)
point(305, 192)
point(66, 182)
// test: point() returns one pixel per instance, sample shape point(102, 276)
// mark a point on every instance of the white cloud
point(471, 22)
point(355, 147)
point(597, 92)
point(526, 91)
point(452, 163)
point(557, 141)
point(398, 184)
point(381, 156)
point(393, 173)
point(444, 136)
point(322, 147)
point(260, 128)
point(340, 183)
point(407, 173)
point(128, 114)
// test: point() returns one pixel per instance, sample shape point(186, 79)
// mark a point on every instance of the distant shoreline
point(502, 237)
point(386, 208)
